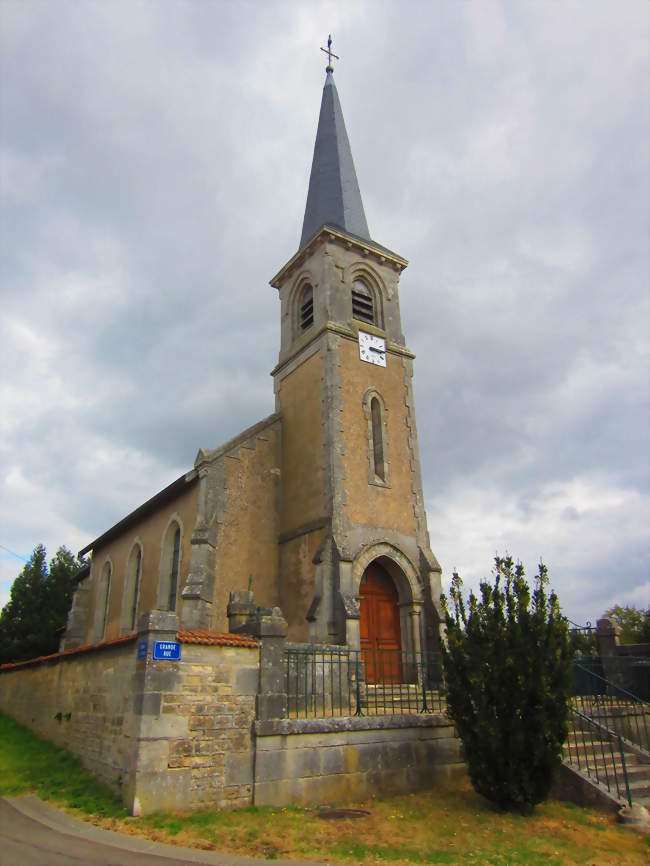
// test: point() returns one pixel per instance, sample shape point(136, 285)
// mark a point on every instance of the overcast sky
point(154, 163)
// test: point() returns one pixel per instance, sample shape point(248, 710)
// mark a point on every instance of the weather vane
point(330, 54)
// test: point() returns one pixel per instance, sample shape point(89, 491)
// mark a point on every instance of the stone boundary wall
point(166, 734)
point(83, 702)
point(316, 761)
point(210, 730)
point(196, 749)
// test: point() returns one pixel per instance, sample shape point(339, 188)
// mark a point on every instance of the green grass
point(450, 824)
point(31, 765)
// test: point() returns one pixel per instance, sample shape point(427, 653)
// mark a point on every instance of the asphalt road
point(34, 834)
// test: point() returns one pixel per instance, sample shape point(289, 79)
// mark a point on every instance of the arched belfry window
point(306, 308)
point(132, 589)
point(170, 560)
point(363, 303)
point(375, 412)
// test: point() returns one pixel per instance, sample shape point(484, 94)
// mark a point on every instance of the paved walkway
point(34, 834)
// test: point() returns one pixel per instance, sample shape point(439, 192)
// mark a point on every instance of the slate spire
point(334, 197)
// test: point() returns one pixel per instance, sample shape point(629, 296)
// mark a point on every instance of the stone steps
point(595, 756)
point(400, 698)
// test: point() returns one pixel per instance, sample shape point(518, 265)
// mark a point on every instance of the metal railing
point(612, 706)
point(599, 753)
point(326, 682)
point(585, 629)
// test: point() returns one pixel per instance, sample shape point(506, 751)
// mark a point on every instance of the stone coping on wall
point(203, 637)
point(200, 637)
point(73, 651)
point(283, 727)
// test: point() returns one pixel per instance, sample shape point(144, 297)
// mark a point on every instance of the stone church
point(319, 506)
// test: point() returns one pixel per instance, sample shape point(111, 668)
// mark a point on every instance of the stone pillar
point(608, 641)
point(271, 631)
point(150, 786)
point(352, 611)
point(608, 636)
point(241, 609)
point(76, 631)
point(414, 616)
point(198, 591)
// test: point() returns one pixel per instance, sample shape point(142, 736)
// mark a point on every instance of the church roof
point(176, 488)
point(334, 197)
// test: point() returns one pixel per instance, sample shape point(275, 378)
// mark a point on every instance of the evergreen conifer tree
point(508, 673)
point(37, 610)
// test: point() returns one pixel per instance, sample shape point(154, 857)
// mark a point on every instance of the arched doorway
point(379, 626)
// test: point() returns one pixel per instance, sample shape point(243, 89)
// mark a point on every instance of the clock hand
point(377, 351)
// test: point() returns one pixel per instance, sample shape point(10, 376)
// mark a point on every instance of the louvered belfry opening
point(363, 308)
point(306, 308)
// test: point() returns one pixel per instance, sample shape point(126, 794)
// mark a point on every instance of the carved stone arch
point(397, 564)
point(102, 600)
point(302, 283)
point(166, 565)
point(410, 590)
point(377, 444)
point(132, 586)
point(364, 272)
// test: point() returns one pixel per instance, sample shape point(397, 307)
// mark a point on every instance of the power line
point(17, 555)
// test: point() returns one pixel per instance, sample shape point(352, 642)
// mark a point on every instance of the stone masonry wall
point(183, 734)
point(195, 746)
point(83, 703)
point(321, 761)
point(167, 734)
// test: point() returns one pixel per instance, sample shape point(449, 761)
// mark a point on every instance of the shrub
point(508, 672)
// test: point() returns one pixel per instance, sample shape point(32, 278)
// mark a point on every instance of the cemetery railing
point(611, 705)
point(598, 752)
point(326, 682)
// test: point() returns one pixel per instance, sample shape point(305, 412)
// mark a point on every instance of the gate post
point(272, 695)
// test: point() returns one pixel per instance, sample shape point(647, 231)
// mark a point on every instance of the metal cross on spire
point(330, 54)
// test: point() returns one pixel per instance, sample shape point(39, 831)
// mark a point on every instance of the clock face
point(372, 349)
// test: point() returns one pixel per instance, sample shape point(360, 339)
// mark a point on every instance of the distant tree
point(633, 621)
point(644, 637)
point(583, 644)
point(507, 668)
point(40, 598)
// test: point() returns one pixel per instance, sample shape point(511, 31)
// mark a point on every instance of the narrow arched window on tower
point(377, 439)
point(306, 308)
point(173, 584)
point(363, 307)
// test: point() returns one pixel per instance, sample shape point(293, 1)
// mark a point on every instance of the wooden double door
point(379, 626)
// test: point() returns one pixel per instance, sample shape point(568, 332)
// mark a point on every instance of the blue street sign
point(142, 650)
point(166, 650)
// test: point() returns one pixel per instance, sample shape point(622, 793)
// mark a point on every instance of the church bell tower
point(355, 563)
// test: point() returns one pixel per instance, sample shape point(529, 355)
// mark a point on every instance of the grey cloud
point(155, 162)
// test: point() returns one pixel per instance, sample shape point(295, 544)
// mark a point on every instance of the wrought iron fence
point(598, 752)
point(324, 682)
point(585, 629)
point(630, 672)
point(612, 706)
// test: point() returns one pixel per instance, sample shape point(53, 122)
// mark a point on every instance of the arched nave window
point(168, 583)
point(132, 589)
